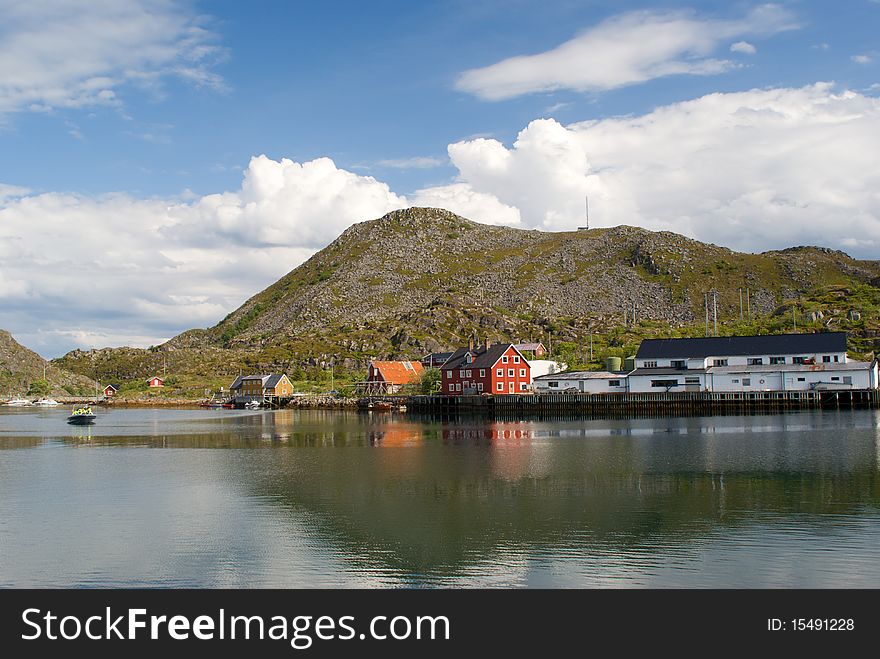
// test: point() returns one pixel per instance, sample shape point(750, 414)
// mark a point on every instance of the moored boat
point(18, 401)
point(47, 402)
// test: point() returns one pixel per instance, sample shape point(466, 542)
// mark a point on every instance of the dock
point(639, 404)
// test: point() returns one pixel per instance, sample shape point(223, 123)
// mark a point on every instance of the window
point(461, 373)
point(522, 372)
point(448, 374)
point(650, 364)
point(836, 359)
point(613, 383)
point(735, 381)
point(826, 359)
point(847, 379)
point(479, 386)
point(692, 380)
point(664, 383)
point(755, 361)
point(523, 386)
point(719, 362)
point(777, 360)
point(510, 372)
point(835, 379)
point(516, 359)
point(797, 360)
point(553, 385)
point(504, 359)
point(468, 373)
point(451, 387)
point(500, 386)
point(470, 358)
point(458, 386)
point(500, 372)
point(802, 379)
point(679, 363)
point(747, 382)
point(482, 372)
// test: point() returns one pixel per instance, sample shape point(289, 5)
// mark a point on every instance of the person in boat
point(82, 410)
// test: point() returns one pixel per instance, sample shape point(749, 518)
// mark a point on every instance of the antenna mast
point(587, 209)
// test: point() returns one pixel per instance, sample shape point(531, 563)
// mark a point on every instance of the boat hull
point(81, 419)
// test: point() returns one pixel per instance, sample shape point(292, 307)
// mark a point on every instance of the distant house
point(156, 381)
point(386, 377)
point(531, 350)
point(488, 369)
point(259, 386)
point(111, 390)
point(435, 359)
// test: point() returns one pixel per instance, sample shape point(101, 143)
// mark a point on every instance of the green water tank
point(630, 364)
point(613, 364)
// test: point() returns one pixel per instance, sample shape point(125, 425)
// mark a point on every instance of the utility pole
point(587, 207)
point(748, 306)
point(591, 347)
point(794, 317)
point(740, 305)
point(706, 300)
point(715, 310)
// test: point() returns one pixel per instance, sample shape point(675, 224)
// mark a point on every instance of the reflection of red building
point(490, 369)
point(492, 433)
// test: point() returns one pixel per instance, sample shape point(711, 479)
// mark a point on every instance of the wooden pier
point(643, 404)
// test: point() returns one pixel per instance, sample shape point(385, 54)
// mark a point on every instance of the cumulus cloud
point(743, 47)
point(92, 271)
point(78, 53)
point(754, 170)
point(623, 50)
point(861, 59)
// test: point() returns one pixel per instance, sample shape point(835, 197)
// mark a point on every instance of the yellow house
point(255, 386)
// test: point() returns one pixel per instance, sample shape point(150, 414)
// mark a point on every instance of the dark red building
point(492, 369)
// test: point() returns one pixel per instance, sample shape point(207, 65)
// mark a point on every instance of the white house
point(782, 362)
point(545, 367)
point(584, 382)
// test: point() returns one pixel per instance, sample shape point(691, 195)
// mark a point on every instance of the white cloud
point(463, 200)
point(78, 53)
point(78, 270)
point(753, 170)
point(861, 59)
point(743, 47)
point(626, 49)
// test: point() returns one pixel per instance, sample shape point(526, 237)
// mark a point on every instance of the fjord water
point(204, 498)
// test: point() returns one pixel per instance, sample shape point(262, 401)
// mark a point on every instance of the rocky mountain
point(421, 279)
point(20, 368)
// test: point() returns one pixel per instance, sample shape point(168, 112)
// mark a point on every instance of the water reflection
point(329, 498)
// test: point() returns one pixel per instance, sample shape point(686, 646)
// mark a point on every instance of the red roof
point(399, 372)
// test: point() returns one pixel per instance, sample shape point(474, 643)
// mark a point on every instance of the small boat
point(82, 416)
point(18, 401)
point(252, 405)
point(47, 402)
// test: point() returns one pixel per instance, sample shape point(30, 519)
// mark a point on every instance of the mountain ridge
point(419, 280)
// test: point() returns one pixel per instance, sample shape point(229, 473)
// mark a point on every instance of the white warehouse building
point(779, 362)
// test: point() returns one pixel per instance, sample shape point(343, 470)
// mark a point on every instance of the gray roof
point(772, 344)
point(267, 380)
point(482, 357)
point(528, 346)
point(792, 368)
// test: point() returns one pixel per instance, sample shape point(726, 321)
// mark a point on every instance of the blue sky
point(137, 127)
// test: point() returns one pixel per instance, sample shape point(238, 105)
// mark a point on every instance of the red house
point(156, 381)
point(111, 390)
point(489, 369)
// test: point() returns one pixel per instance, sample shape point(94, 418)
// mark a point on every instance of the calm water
point(311, 499)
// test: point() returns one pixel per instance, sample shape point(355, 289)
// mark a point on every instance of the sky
point(161, 162)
